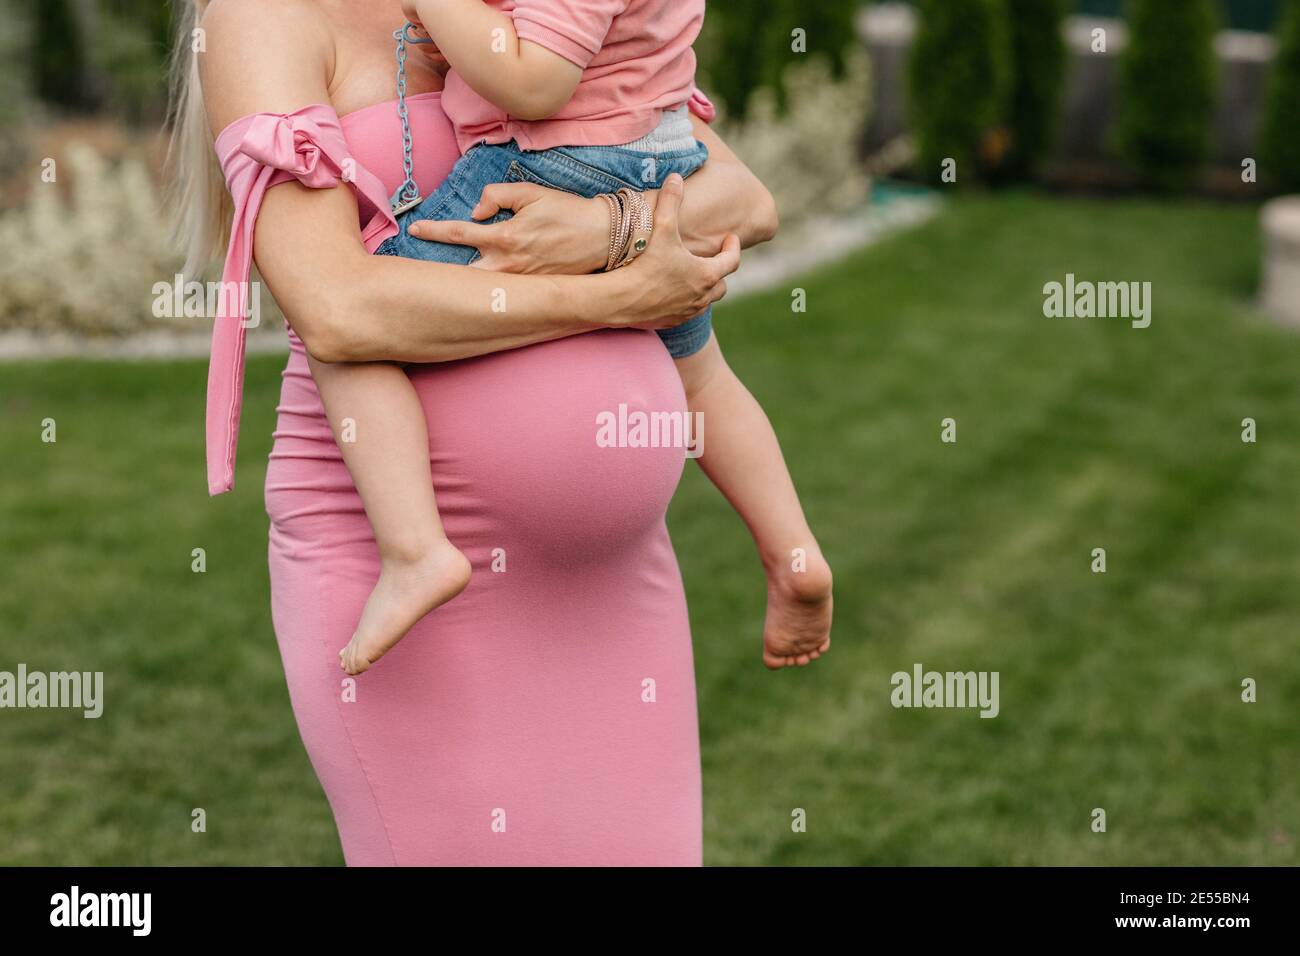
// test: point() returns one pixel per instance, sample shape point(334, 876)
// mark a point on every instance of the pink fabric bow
point(290, 143)
point(256, 153)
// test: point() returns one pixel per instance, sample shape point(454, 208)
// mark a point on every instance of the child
point(589, 96)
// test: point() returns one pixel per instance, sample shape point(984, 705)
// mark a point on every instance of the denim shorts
point(584, 170)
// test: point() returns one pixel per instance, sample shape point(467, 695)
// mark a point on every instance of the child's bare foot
point(405, 592)
point(798, 626)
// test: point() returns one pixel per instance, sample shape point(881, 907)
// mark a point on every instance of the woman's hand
point(551, 232)
point(557, 232)
point(667, 284)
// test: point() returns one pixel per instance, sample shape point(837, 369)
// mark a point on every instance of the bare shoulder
point(260, 56)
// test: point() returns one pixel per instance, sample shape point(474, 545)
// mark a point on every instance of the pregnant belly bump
point(639, 428)
point(517, 442)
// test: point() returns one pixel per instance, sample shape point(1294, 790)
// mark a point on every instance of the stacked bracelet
point(640, 224)
point(630, 225)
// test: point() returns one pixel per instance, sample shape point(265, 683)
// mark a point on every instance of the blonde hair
point(197, 194)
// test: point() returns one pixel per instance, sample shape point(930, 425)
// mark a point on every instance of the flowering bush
point(85, 262)
point(807, 155)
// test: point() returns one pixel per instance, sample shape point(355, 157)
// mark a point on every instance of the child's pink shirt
point(636, 61)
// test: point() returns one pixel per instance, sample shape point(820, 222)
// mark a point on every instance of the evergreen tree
point(958, 80)
point(1281, 133)
point(1167, 87)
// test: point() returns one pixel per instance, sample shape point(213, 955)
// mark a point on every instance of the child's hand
point(429, 50)
point(411, 11)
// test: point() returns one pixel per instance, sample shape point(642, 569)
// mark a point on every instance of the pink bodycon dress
point(546, 716)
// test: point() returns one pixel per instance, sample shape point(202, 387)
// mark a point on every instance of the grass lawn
point(1119, 690)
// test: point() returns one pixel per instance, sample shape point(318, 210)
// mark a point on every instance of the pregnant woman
point(546, 716)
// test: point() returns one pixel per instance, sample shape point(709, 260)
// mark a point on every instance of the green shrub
point(93, 55)
point(957, 85)
point(15, 80)
point(1038, 74)
point(130, 56)
point(745, 45)
point(1281, 134)
point(1167, 91)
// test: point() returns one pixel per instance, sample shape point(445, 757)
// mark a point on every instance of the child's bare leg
point(380, 428)
point(743, 459)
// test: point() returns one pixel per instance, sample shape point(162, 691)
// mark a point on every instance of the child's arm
point(523, 78)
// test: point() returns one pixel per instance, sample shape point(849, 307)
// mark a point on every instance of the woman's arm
point(347, 305)
point(350, 306)
point(558, 232)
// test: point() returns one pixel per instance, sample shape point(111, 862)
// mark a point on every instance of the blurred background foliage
point(1037, 52)
point(1259, 15)
point(1281, 134)
point(98, 55)
point(747, 46)
point(107, 55)
point(987, 78)
point(958, 80)
point(986, 85)
point(1167, 94)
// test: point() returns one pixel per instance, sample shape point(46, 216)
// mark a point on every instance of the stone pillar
point(1280, 295)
